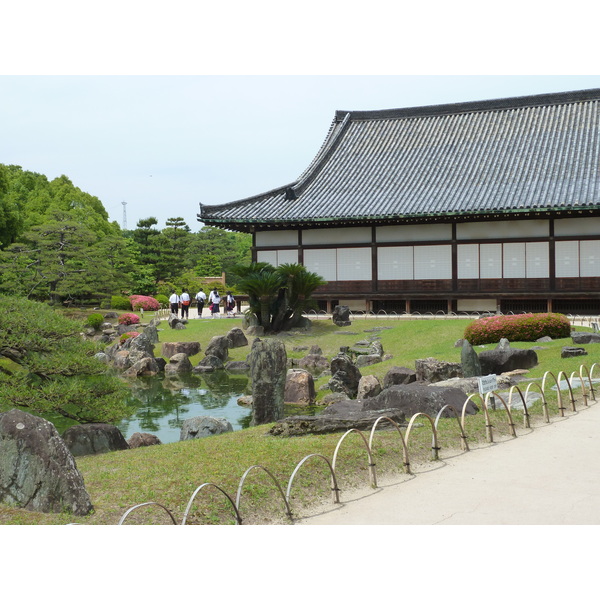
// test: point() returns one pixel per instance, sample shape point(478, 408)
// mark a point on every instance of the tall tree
point(63, 259)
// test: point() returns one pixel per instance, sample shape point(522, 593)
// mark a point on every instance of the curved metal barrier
point(434, 442)
point(525, 411)
point(334, 486)
point(589, 375)
point(544, 401)
point(511, 423)
point(488, 424)
point(242, 480)
point(584, 373)
point(130, 510)
point(463, 437)
point(238, 518)
point(561, 407)
point(406, 463)
point(372, 474)
point(568, 382)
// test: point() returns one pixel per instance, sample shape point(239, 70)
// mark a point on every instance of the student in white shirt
point(185, 304)
point(174, 302)
point(213, 301)
point(201, 299)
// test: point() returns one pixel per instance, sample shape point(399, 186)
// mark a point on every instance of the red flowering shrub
point(129, 319)
point(127, 335)
point(517, 328)
point(145, 302)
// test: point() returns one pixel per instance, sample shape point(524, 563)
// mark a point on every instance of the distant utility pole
point(124, 215)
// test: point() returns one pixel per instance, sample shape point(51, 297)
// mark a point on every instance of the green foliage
point(127, 335)
point(94, 320)
point(120, 303)
point(517, 328)
point(162, 300)
point(57, 245)
point(57, 372)
point(278, 296)
point(215, 251)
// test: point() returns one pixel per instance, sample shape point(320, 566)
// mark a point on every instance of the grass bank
point(170, 473)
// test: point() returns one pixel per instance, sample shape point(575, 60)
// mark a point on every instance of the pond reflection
point(162, 404)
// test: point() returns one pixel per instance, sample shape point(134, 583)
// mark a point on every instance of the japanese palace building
point(478, 206)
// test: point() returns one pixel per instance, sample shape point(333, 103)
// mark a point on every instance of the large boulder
point(219, 347)
point(345, 375)
point(398, 375)
point(169, 349)
point(432, 370)
point(585, 337)
point(139, 347)
point(236, 338)
point(37, 471)
point(299, 387)
point(139, 440)
point(175, 322)
point(364, 360)
point(341, 416)
point(314, 363)
point(500, 361)
point(94, 438)
point(268, 370)
point(199, 427)
point(368, 386)
point(571, 351)
point(151, 333)
point(146, 367)
point(121, 360)
point(470, 364)
point(341, 316)
point(415, 398)
point(179, 363)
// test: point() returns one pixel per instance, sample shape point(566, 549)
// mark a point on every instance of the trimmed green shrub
point(162, 300)
point(517, 328)
point(120, 303)
point(94, 320)
point(129, 319)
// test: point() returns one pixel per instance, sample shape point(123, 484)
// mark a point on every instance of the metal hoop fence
point(584, 374)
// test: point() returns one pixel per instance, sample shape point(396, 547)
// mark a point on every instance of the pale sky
point(166, 107)
point(162, 144)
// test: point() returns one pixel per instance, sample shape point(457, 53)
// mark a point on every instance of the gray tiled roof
point(449, 161)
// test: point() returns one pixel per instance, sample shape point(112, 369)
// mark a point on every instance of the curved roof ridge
point(206, 208)
point(472, 106)
point(333, 135)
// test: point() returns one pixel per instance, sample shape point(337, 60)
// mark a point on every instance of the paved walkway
point(549, 475)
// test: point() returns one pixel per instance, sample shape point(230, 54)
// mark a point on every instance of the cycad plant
point(277, 296)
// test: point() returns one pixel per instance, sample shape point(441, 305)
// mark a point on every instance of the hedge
point(517, 328)
point(120, 303)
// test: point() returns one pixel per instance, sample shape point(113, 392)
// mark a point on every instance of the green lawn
point(170, 473)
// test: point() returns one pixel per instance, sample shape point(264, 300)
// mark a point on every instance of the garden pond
point(162, 404)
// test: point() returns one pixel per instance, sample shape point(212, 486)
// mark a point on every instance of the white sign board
point(489, 383)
